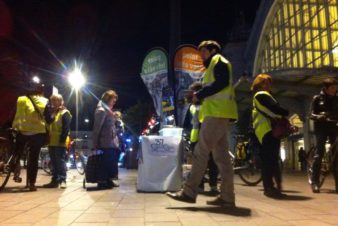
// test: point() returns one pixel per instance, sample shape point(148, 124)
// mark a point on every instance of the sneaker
point(63, 185)
point(17, 179)
point(213, 191)
point(52, 184)
point(220, 202)
point(315, 188)
point(116, 183)
point(181, 197)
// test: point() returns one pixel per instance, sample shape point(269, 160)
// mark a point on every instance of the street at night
point(124, 206)
point(169, 112)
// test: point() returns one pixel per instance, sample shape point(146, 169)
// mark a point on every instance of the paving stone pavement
point(124, 206)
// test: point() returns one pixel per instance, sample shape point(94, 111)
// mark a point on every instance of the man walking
point(218, 109)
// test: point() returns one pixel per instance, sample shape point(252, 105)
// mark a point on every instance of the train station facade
point(296, 42)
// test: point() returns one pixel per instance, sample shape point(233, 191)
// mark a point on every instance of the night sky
point(110, 38)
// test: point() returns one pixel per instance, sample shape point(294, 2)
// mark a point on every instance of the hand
point(194, 99)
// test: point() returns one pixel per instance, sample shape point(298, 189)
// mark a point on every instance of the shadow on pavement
point(328, 191)
point(295, 198)
point(15, 190)
point(237, 211)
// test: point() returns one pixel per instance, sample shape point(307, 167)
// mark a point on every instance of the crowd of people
point(214, 108)
point(41, 121)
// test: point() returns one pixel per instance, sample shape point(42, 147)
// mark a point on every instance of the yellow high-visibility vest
point(261, 123)
point(27, 119)
point(194, 110)
point(223, 103)
point(55, 130)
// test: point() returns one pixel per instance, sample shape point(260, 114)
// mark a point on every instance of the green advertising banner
point(155, 75)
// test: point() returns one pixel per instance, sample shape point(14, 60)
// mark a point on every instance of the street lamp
point(76, 79)
point(86, 120)
point(36, 79)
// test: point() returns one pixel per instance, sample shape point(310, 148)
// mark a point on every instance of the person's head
point(109, 98)
point(208, 48)
point(330, 86)
point(35, 87)
point(262, 82)
point(56, 100)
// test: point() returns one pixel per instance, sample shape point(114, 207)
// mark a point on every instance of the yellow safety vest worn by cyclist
point(55, 130)
point(261, 123)
point(27, 119)
point(223, 103)
point(194, 110)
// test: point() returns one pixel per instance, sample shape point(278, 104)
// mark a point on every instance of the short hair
point(108, 95)
point(57, 97)
point(210, 45)
point(329, 82)
point(196, 86)
point(260, 79)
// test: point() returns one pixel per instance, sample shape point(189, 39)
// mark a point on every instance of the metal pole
point(175, 40)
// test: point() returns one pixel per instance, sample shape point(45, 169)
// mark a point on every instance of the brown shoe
point(181, 196)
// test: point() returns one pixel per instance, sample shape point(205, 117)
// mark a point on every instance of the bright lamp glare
point(76, 79)
point(36, 79)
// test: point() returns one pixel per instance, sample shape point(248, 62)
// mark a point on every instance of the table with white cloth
point(159, 164)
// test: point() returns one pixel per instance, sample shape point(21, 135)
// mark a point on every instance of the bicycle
point(8, 157)
point(248, 168)
point(246, 161)
point(329, 160)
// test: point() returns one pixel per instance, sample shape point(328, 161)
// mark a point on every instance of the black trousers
point(322, 135)
point(32, 144)
point(213, 173)
point(269, 154)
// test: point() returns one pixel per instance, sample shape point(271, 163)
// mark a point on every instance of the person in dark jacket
point(302, 158)
point(324, 107)
point(265, 109)
point(105, 137)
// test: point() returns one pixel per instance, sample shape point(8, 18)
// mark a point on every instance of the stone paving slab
point(124, 206)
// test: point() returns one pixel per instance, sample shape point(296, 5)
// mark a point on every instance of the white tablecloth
point(159, 168)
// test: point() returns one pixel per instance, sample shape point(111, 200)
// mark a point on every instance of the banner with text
point(155, 75)
point(188, 67)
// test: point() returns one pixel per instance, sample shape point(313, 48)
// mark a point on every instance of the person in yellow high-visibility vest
point(59, 128)
point(265, 108)
point(30, 124)
point(217, 111)
point(195, 122)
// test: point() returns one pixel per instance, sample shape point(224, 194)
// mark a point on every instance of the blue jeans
point(58, 160)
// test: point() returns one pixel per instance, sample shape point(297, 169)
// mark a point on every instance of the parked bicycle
point(9, 160)
point(246, 161)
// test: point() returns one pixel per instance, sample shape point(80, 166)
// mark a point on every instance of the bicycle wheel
point(5, 171)
point(251, 173)
point(46, 164)
point(323, 171)
point(80, 163)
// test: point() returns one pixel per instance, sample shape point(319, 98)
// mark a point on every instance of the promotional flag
point(188, 67)
point(155, 75)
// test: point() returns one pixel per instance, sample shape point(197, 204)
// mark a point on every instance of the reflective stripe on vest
point(261, 123)
point(222, 104)
point(195, 123)
point(27, 119)
point(55, 130)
